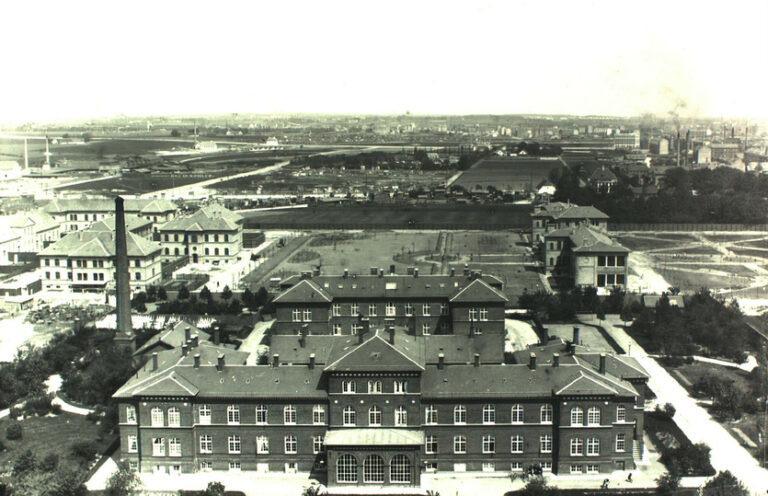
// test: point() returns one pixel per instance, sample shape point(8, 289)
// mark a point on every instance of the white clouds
point(79, 59)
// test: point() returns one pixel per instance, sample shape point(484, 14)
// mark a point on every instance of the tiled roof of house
point(377, 354)
point(305, 291)
point(587, 239)
point(173, 337)
point(603, 174)
point(40, 219)
point(132, 223)
point(210, 218)
point(478, 291)
point(133, 205)
point(559, 210)
point(99, 244)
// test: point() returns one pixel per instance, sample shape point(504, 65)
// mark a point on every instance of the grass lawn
point(725, 238)
point(637, 243)
point(691, 280)
point(50, 434)
point(749, 252)
point(762, 243)
point(141, 183)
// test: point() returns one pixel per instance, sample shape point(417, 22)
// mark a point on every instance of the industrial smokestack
point(122, 281)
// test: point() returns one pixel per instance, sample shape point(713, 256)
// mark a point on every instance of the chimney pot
point(216, 336)
point(440, 360)
point(392, 269)
point(391, 331)
point(532, 362)
point(195, 341)
point(556, 360)
point(197, 360)
point(381, 272)
point(276, 360)
point(220, 364)
point(154, 361)
point(184, 350)
point(453, 271)
point(311, 361)
point(416, 272)
point(576, 336)
point(187, 334)
point(602, 363)
point(346, 273)
point(477, 359)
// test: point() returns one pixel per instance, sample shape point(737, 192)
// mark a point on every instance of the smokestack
point(220, 364)
point(197, 360)
point(602, 363)
point(532, 361)
point(477, 359)
point(466, 269)
point(381, 272)
point(123, 284)
point(154, 361)
point(556, 360)
point(276, 360)
point(576, 335)
point(440, 361)
point(311, 361)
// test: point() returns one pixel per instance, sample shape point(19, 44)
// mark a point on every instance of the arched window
point(577, 416)
point(174, 417)
point(593, 416)
point(349, 415)
point(373, 469)
point(374, 415)
point(401, 416)
point(518, 414)
point(459, 414)
point(348, 387)
point(546, 414)
point(346, 469)
point(374, 387)
point(489, 414)
point(400, 469)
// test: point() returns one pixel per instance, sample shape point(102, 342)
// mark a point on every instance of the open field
point(394, 217)
point(507, 174)
point(141, 183)
point(51, 434)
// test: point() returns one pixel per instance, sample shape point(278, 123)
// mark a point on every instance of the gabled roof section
point(374, 355)
point(205, 219)
point(579, 212)
point(173, 337)
point(305, 291)
point(584, 385)
point(132, 222)
point(478, 291)
point(99, 244)
point(172, 384)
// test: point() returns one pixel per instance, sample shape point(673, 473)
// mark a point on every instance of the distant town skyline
point(86, 60)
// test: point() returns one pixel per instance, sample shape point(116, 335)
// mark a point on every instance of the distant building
point(602, 179)
point(133, 224)
point(659, 146)
point(558, 215)
point(586, 256)
point(10, 243)
point(37, 228)
point(724, 152)
point(211, 235)
point(83, 262)
point(207, 146)
point(10, 170)
point(626, 140)
point(704, 155)
point(77, 214)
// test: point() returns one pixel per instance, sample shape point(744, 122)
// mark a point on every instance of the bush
point(121, 483)
point(50, 462)
point(56, 409)
point(667, 484)
point(93, 416)
point(38, 405)
point(26, 462)
point(85, 450)
point(13, 431)
point(15, 412)
point(214, 488)
point(667, 412)
point(724, 484)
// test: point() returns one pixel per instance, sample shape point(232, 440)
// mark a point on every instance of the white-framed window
point(262, 414)
point(593, 416)
point(174, 446)
point(516, 466)
point(621, 413)
point(489, 467)
point(289, 414)
point(426, 310)
point(577, 416)
point(348, 387)
point(204, 411)
point(374, 387)
point(174, 417)
point(400, 386)
point(546, 414)
point(235, 466)
point(483, 314)
point(390, 309)
point(349, 415)
point(133, 444)
point(373, 469)
point(296, 315)
point(489, 414)
point(206, 466)
point(233, 444)
point(576, 469)
point(372, 310)
point(621, 442)
point(354, 309)
point(444, 309)
point(577, 447)
point(291, 445)
point(409, 309)
point(516, 443)
point(545, 443)
point(473, 314)
point(593, 446)
point(233, 415)
point(130, 414)
point(156, 417)
point(430, 414)
point(262, 445)
point(518, 414)
point(426, 329)
point(459, 444)
point(336, 309)
point(374, 416)
point(318, 414)
point(593, 469)
point(489, 444)
point(356, 329)
point(401, 416)
point(307, 315)
point(206, 444)
point(460, 414)
point(318, 444)
point(400, 470)
point(430, 445)
point(546, 466)
point(158, 446)
point(338, 330)
point(346, 469)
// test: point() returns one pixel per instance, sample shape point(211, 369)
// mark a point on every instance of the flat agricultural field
point(140, 183)
point(507, 174)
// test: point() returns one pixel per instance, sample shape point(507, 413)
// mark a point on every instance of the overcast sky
point(70, 59)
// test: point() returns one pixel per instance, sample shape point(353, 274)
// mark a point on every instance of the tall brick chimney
point(124, 329)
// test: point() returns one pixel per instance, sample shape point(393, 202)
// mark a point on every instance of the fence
point(694, 227)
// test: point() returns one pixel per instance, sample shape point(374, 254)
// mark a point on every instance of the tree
point(214, 488)
point(667, 484)
point(724, 484)
point(537, 486)
point(226, 293)
point(175, 133)
point(50, 462)
point(13, 431)
point(205, 294)
point(26, 462)
point(122, 483)
point(183, 293)
point(161, 294)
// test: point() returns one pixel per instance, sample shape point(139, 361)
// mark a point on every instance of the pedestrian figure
point(629, 477)
point(605, 484)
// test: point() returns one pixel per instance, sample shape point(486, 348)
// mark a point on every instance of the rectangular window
point(577, 447)
point(261, 414)
point(156, 417)
point(262, 445)
point(610, 279)
point(430, 446)
point(372, 310)
point(459, 444)
point(489, 414)
point(400, 387)
point(295, 315)
point(206, 466)
point(336, 310)
point(444, 310)
point(460, 414)
point(158, 446)
point(516, 466)
point(289, 414)
point(206, 444)
point(426, 329)
point(409, 309)
point(390, 309)
point(130, 414)
point(425, 310)
point(430, 414)
point(516, 444)
point(348, 387)
point(356, 328)
point(620, 443)
point(133, 444)
point(601, 280)
point(174, 417)
point(307, 314)
point(593, 469)
point(545, 444)
point(234, 466)
point(621, 413)
point(473, 314)
point(174, 446)
point(318, 444)
point(489, 444)
point(337, 330)
point(546, 414)
point(593, 446)
point(318, 415)
point(546, 466)
point(576, 469)
point(205, 414)
point(483, 314)
point(621, 260)
point(601, 260)
point(233, 415)
point(354, 309)
point(291, 445)
point(233, 445)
